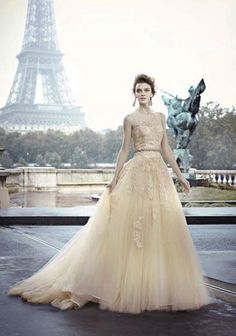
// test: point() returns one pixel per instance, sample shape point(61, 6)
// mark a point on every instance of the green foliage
point(22, 162)
point(6, 160)
point(79, 158)
point(40, 160)
point(53, 159)
point(111, 144)
point(89, 142)
point(212, 146)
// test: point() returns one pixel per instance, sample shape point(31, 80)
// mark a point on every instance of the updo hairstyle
point(142, 78)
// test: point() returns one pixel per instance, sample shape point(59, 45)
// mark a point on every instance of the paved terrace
point(24, 248)
point(80, 215)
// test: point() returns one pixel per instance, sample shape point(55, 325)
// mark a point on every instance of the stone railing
point(219, 176)
point(51, 179)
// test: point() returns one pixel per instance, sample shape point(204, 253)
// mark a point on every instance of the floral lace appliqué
point(137, 231)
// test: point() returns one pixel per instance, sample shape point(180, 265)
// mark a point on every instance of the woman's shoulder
point(129, 116)
point(161, 114)
point(135, 113)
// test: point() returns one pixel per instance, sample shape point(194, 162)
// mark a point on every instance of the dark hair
point(141, 78)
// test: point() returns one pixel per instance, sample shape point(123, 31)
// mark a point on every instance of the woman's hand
point(184, 183)
point(112, 184)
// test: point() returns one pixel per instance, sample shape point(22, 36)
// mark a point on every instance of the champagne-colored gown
point(135, 253)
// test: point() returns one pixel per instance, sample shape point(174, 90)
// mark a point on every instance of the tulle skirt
point(134, 254)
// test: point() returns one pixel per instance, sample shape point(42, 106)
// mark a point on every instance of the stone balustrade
point(51, 179)
point(219, 176)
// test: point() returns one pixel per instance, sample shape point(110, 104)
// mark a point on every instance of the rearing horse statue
point(183, 114)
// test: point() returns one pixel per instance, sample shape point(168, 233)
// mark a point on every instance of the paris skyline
point(106, 43)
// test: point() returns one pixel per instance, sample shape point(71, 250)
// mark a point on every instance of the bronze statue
point(183, 118)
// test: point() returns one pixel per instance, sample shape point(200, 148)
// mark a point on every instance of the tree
point(54, 159)
point(22, 162)
point(6, 160)
point(212, 146)
point(213, 143)
point(79, 158)
point(40, 160)
point(111, 144)
point(88, 141)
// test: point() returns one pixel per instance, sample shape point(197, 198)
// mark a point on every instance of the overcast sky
point(107, 42)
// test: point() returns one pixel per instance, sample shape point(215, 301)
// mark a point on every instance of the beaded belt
point(140, 150)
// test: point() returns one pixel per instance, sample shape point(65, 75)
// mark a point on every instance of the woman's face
point(143, 93)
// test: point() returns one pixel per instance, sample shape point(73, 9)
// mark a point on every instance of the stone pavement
point(80, 215)
point(24, 249)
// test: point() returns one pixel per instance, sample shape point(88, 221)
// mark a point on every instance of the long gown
point(135, 253)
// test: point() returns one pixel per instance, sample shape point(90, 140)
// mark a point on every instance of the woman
point(135, 253)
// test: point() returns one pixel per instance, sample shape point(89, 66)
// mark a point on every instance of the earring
point(134, 102)
point(150, 102)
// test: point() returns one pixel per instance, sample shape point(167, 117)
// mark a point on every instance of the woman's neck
point(144, 109)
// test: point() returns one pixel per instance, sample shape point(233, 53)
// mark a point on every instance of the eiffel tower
point(40, 97)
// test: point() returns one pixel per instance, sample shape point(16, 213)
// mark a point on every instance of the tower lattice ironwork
point(40, 69)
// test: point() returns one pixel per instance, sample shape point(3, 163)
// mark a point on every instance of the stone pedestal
point(183, 158)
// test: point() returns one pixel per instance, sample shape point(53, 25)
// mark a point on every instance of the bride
point(135, 253)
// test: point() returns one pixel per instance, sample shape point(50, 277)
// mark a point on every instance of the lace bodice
point(147, 130)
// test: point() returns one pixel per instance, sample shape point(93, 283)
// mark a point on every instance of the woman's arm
point(167, 151)
point(124, 150)
point(170, 158)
